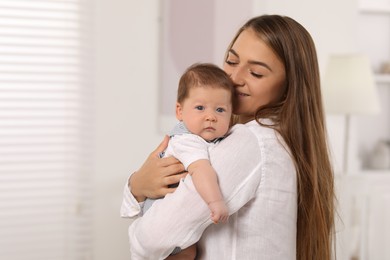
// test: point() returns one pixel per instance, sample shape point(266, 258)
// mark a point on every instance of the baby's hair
point(201, 75)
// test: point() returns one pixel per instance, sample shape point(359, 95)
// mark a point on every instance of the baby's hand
point(219, 211)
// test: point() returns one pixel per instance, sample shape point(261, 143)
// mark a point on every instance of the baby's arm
point(205, 181)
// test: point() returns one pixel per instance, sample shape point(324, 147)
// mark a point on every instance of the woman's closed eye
point(231, 62)
point(256, 75)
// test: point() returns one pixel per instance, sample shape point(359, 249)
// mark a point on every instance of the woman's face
point(257, 72)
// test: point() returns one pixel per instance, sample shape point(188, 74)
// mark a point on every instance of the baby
point(204, 109)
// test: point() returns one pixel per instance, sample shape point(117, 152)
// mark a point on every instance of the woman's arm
point(151, 180)
point(154, 176)
point(181, 217)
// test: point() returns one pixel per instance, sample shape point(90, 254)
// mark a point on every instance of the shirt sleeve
point(188, 148)
point(181, 217)
point(130, 206)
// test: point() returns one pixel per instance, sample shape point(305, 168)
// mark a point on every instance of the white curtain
point(46, 102)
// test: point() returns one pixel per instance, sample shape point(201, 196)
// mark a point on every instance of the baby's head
point(205, 100)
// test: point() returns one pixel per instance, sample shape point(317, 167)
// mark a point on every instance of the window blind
point(45, 129)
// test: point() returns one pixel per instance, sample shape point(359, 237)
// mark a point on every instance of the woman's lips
point(240, 94)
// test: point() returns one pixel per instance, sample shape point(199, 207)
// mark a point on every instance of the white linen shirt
point(258, 180)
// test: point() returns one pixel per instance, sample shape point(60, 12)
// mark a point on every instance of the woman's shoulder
point(255, 128)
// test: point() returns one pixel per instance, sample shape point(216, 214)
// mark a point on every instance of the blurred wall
point(126, 104)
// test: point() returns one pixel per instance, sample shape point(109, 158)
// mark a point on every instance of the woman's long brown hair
point(299, 118)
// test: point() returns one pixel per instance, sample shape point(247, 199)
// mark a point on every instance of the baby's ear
point(179, 111)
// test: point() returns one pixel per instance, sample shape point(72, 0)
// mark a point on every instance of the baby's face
point(206, 112)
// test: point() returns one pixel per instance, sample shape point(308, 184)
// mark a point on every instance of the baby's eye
point(199, 107)
point(220, 110)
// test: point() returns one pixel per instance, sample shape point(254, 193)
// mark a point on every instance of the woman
point(273, 168)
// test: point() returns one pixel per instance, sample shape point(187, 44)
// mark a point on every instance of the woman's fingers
point(165, 191)
point(169, 183)
point(170, 166)
point(166, 161)
point(156, 174)
point(161, 147)
point(172, 179)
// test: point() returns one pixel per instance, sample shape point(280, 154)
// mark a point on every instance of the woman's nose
point(237, 76)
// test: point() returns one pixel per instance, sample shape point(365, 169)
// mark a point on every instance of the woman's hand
point(154, 176)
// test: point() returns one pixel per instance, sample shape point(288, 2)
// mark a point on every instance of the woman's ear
point(179, 111)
